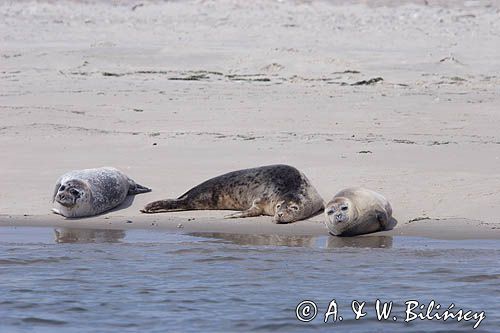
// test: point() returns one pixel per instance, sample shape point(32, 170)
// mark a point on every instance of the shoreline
point(443, 229)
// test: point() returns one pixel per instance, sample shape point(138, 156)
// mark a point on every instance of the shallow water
point(140, 280)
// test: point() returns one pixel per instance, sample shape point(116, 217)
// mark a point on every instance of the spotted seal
point(89, 192)
point(280, 191)
point(356, 211)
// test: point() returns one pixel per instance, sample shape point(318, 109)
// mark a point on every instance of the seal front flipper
point(255, 210)
point(251, 212)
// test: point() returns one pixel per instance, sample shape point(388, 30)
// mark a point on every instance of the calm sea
point(154, 281)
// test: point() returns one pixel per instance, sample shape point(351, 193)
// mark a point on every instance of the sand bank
point(403, 100)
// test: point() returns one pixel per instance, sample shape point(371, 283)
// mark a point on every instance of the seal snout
point(278, 218)
point(65, 200)
point(339, 217)
point(337, 213)
point(67, 195)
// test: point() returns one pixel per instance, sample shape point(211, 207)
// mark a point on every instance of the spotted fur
point(274, 190)
point(89, 192)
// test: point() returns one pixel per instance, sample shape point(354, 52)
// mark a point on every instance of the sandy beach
point(403, 100)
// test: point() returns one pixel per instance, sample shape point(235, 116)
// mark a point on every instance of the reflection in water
point(241, 239)
point(171, 278)
point(76, 235)
point(301, 241)
point(360, 241)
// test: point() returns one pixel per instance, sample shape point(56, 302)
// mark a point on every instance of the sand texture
point(404, 100)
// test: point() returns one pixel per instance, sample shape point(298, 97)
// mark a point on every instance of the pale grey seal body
point(356, 211)
point(89, 192)
point(280, 191)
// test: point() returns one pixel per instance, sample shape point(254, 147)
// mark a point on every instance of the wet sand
point(403, 100)
point(199, 223)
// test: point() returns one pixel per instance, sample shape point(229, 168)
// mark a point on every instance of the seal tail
point(136, 188)
point(168, 205)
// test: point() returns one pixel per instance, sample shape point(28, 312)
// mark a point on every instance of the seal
point(280, 191)
point(89, 192)
point(356, 211)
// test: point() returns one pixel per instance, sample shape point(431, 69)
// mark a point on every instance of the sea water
point(77, 280)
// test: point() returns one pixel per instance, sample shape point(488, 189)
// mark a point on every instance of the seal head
point(356, 211)
point(73, 192)
point(289, 209)
point(340, 214)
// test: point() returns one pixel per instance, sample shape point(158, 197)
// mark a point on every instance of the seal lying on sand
point(276, 190)
point(356, 211)
point(90, 192)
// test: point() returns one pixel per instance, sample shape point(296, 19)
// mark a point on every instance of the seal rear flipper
point(169, 205)
point(135, 188)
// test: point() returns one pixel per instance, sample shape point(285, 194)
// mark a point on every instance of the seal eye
point(278, 206)
point(62, 188)
point(74, 192)
point(344, 208)
point(330, 212)
point(294, 207)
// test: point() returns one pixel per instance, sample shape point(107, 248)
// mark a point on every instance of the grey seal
point(280, 191)
point(356, 211)
point(89, 192)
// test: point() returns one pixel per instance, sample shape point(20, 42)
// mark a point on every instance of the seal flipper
point(169, 205)
point(251, 212)
point(255, 210)
point(135, 188)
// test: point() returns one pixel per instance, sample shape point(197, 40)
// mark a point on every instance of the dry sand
point(174, 93)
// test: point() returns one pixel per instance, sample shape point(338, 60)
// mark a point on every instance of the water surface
point(139, 280)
